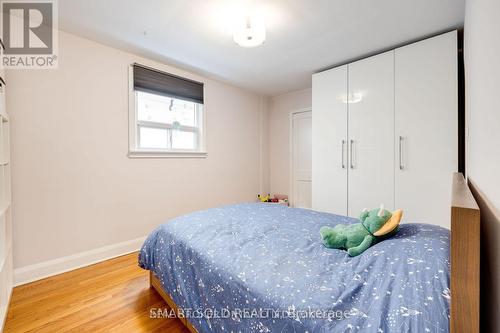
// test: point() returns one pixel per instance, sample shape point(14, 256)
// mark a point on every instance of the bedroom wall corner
point(265, 186)
point(482, 79)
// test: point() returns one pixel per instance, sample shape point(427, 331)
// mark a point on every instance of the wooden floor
point(112, 296)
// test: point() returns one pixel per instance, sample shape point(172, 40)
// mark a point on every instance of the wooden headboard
point(465, 257)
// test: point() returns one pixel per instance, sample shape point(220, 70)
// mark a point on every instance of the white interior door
point(301, 159)
point(329, 154)
point(371, 133)
point(426, 124)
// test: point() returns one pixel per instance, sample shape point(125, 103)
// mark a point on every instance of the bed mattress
point(263, 268)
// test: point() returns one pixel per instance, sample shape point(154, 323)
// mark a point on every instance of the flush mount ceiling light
point(250, 31)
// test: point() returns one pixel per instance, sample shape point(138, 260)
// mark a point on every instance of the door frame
point(291, 195)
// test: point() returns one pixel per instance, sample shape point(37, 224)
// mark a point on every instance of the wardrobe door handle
point(352, 153)
point(343, 145)
point(401, 163)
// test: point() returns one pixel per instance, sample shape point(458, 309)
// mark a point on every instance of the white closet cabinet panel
point(426, 128)
point(329, 141)
point(371, 133)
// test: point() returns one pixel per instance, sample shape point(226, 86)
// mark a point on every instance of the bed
point(263, 268)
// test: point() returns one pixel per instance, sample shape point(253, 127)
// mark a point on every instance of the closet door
point(426, 128)
point(371, 133)
point(301, 159)
point(329, 141)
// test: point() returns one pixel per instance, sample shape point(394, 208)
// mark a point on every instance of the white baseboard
point(30, 273)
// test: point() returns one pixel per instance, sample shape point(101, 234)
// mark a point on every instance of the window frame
point(136, 152)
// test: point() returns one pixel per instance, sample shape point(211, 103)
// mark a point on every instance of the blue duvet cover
point(263, 268)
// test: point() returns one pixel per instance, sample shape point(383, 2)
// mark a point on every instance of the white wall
point(279, 136)
point(265, 176)
point(74, 189)
point(482, 81)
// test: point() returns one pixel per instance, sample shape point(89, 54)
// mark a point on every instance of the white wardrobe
point(385, 131)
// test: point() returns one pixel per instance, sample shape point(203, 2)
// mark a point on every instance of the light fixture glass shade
point(250, 32)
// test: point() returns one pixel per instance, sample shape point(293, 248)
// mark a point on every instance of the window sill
point(167, 154)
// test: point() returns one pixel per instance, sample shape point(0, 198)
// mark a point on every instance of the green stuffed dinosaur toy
point(375, 226)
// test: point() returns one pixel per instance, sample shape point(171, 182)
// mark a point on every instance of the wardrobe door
point(329, 141)
point(426, 128)
point(371, 133)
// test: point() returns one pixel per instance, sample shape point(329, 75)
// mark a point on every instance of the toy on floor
point(281, 198)
point(267, 198)
point(376, 225)
point(278, 198)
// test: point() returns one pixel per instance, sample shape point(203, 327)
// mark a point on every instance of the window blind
point(153, 81)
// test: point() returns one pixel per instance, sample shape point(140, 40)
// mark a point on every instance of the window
point(166, 115)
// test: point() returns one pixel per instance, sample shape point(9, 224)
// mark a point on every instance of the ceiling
point(303, 36)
